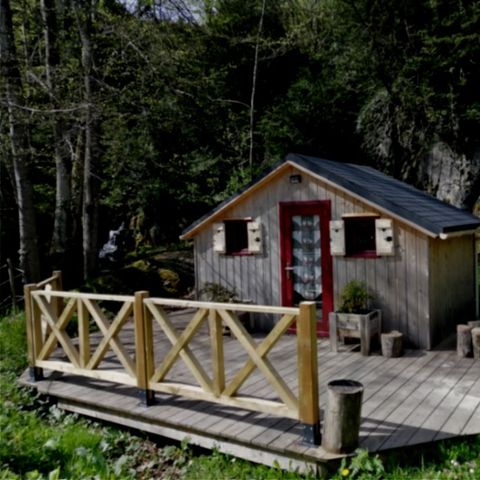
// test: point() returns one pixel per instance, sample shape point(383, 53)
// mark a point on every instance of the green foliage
point(214, 292)
point(218, 465)
point(13, 358)
point(448, 460)
point(371, 81)
point(355, 298)
point(163, 274)
point(362, 466)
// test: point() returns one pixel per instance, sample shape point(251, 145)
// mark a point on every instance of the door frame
point(310, 207)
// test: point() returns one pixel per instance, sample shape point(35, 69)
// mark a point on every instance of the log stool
point(342, 418)
point(476, 342)
point(392, 344)
point(464, 340)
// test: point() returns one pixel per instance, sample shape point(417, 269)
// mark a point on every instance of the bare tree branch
point(46, 111)
point(254, 87)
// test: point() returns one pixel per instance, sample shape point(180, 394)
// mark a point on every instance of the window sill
point(242, 253)
point(365, 254)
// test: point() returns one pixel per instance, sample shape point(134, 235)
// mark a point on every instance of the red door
point(306, 263)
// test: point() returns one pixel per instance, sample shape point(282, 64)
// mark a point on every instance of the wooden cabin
point(308, 226)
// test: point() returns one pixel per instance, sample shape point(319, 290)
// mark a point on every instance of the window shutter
point(255, 243)
point(337, 237)
point(219, 244)
point(384, 236)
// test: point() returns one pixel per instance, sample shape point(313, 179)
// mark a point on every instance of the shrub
point(355, 298)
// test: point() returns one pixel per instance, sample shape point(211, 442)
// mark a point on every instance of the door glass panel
point(306, 265)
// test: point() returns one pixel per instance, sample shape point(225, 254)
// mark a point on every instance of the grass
point(39, 441)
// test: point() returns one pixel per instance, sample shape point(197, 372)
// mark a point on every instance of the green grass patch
point(221, 466)
point(446, 460)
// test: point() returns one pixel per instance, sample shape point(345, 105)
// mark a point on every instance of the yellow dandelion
point(345, 472)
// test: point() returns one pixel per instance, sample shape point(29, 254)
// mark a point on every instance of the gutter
point(448, 236)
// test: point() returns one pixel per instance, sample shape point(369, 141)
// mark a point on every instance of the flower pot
point(356, 325)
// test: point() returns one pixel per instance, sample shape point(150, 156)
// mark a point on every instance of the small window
point(236, 237)
point(360, 236)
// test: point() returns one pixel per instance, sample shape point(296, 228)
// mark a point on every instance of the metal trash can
point(342, 419)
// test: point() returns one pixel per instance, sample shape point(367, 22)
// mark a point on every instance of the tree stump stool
point(476, 342)
point(464, 340)
point(474, 323)
point(342, 418)
point(392, 344)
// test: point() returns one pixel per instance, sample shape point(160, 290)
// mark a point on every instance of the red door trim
point(323, 209)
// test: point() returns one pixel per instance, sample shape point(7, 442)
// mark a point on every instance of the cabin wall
point(452, 284)
point(400, 282)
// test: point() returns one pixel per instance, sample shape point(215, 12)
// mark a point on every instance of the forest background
point(150, 112)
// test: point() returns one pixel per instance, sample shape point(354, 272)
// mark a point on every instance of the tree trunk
point(12, 95)
point(254, 89)
point(60, 250)
point(78, 155)
point(90, 181)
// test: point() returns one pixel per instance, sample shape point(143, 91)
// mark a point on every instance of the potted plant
point(354, 317)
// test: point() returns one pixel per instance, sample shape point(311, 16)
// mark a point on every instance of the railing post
point(143, 348)
point(34, 332)
point(57, 303)
point(216, 336)
point(308, 397)
point(83, 333)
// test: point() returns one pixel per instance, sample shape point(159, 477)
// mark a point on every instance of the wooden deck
point(418, 398)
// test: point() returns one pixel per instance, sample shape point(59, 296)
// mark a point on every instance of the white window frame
point(254, 237)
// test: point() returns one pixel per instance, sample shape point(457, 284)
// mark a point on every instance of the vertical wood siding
point(401, 283)
point(452, 284)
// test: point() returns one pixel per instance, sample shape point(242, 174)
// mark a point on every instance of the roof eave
point(230, 202)
point(459, 233)
point(288, 162)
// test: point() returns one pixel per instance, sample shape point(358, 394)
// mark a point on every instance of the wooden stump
point(342, 418)
point(464, 340)
point(474, 323)
point(476, 342)
point(392, 344)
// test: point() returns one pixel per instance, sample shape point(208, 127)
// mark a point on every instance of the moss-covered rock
point(168, 274)
point(170, 280)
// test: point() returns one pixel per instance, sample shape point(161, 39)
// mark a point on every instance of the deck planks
point(418, 398)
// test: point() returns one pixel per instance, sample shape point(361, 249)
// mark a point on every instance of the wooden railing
point(38, 329)
point(84, 353)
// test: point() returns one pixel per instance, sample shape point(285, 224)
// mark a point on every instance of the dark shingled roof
point(392, 195)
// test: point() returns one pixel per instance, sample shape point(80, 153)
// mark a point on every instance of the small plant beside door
point(355, 318)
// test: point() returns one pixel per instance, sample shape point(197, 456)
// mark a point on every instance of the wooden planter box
point(362, 326)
